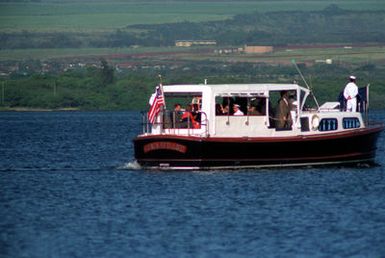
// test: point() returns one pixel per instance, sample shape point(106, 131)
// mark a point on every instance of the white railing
point(170, 122)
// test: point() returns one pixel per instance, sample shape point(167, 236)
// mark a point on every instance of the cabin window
point(351, 122)
point(183, 110)
point(240, 105)
point(328, 124)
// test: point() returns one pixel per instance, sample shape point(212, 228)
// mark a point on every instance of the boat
point(206, 135)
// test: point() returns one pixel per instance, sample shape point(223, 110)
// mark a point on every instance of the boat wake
point(132, 165)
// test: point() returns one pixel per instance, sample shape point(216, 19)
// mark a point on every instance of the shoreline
point(27, 109)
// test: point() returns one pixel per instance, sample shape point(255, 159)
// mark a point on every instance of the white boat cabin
point(214, 112)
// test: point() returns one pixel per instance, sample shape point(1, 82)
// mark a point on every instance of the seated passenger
point(252, 111)
point(218, 109)
point(196, 112)
point(177, 115)
point(261, 106)
point(197, 101)
point(188, 118)
point(237, 111)
point(225, 110)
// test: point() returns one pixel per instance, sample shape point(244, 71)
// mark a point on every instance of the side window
point(240, 106)
point(351, 122)
point(328, 124)
point(223, 106)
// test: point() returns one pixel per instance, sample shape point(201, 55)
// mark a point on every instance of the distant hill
point(331, 25)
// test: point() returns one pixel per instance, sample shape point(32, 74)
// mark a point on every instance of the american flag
point(156, 102)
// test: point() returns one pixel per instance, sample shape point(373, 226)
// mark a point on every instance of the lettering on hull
point(164, 146)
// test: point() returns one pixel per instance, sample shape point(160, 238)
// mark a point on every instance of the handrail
point(170, 123)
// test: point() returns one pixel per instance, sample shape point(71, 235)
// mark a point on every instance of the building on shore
point(189, 43)
point(257, 49)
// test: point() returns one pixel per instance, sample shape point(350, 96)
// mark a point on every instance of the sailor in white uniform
point(350, 94)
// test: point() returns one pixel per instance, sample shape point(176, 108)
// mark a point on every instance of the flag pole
point(161, 88)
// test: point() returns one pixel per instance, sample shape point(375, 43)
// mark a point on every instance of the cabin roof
point(228, 88)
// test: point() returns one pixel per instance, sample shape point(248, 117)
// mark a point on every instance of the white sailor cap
point(236, 105)
point(352, 77)
point(295, 103)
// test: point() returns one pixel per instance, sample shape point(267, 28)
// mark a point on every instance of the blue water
point(68, 189)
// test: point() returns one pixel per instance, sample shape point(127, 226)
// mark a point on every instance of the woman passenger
point(189, 118)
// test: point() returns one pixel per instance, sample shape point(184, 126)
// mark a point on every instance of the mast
point(307, 85)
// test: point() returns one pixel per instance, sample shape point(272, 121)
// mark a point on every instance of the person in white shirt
point(237, 111)
point(350, 94)
point(293, 112)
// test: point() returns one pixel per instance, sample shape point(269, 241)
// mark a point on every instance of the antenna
point(307, 85)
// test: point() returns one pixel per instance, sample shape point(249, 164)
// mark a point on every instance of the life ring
point(315, 122)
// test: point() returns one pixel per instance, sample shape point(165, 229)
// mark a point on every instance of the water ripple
point(64, 192)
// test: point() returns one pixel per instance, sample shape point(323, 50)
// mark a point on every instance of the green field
point(110, 15)
point(355, 55)
point(56, 53)
point(370, 54)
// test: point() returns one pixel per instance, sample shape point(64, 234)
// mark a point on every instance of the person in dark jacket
point(177, 115)
point(282, 116)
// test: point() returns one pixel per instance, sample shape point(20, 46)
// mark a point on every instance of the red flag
point(156, 102)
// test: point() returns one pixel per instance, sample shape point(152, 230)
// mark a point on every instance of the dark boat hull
point(187, 152)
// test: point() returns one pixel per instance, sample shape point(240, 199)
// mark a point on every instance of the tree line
point(100, 88)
